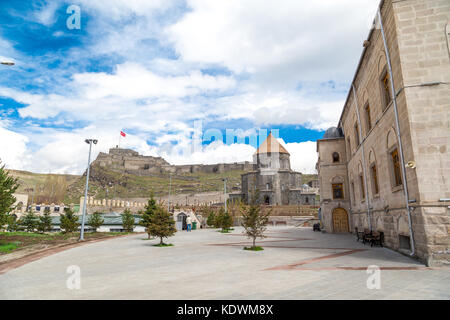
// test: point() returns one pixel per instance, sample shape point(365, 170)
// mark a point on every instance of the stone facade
point(273, 178)
point(366, 140)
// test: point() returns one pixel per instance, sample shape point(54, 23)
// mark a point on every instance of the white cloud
point(303, 155)
point(298, 40)
point(13, 149)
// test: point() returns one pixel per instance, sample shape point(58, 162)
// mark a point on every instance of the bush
point(211, 220)
point(45, 223)
point(29, 221)
point(95, 220)
point(128, 220)
point(69, 221)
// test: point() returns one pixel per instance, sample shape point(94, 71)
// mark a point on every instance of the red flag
point(122, 134)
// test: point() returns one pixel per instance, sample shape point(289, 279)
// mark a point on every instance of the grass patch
point(256, 248)
point(8, 247)
point(163, 245)
point(26, 239)
point(224, 231)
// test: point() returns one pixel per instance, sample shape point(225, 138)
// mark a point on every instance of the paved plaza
point(297, 263)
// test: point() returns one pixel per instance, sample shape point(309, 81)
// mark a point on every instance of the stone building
point(273, 178)
point(386, 166)
point(127, 160)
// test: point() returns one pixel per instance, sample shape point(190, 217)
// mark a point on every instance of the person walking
point(189, 223)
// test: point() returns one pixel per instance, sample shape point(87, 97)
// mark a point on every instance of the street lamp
point(225, 192)
point(89, 142)
point(7, 63)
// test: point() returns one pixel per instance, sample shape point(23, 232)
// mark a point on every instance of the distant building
point(392, 176)
point(273, 178)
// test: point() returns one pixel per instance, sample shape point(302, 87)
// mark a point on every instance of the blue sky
point(154, 68)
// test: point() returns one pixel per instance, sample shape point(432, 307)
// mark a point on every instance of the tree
point(8, 185)
point(223, 220)
point(211, 220)
point(162, 224)
point(254, 220)
point(128, 220)
point(29, 221)
point(69, 221)
point(150, 209)
point(11, 221)
point(95, 220)
point(227, 221)
point(45, 222)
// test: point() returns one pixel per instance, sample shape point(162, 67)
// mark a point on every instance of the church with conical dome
point(272, 176)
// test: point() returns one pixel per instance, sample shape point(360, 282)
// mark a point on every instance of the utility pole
point(90, 142)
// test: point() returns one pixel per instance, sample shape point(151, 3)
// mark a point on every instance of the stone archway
point(340, 220)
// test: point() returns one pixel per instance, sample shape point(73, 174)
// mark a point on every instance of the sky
point(167, 71)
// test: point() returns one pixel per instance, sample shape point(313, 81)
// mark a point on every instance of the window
point(267, 186)
point(373, 170)
point(338, 191)
point(396, 168)
point(368, 119)
point(306, 200)
point(361, 183)
point(385, 90)
point(335, 157)
point(357, 134)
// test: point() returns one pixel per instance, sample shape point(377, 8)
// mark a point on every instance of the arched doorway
point(266, 200)
point(181, 221)
point(340, 220)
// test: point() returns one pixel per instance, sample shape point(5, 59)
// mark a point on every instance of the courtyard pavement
point(296, 263)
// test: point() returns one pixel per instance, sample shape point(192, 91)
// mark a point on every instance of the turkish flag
point(122, 134)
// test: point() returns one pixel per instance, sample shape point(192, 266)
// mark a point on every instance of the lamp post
point(225, 192)
point(7, 63)
point(89, 142)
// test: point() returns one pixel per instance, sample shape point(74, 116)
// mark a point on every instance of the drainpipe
point(397, 127)
point(361, 141)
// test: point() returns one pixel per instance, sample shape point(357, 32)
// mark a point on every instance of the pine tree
point(150, 209)
point(8, 185)
point(227, 221)
point(11, 221)
point(95, 220)
point(29, 221)
point(254, 220)
point(162, 224)
point(211, 220)
point(45, 222)
point(128, 220)
point(69, 221)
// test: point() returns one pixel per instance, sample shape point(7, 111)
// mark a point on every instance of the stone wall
point(130, 161)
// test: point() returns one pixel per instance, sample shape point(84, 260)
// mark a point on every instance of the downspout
point(397, 127)
point(366, 190)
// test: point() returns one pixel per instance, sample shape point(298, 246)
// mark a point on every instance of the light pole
point(89, 142)
point(225, 192)
point(7, 63)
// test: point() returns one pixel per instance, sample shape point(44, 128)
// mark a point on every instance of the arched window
point(335, 157)
point(385, 89)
